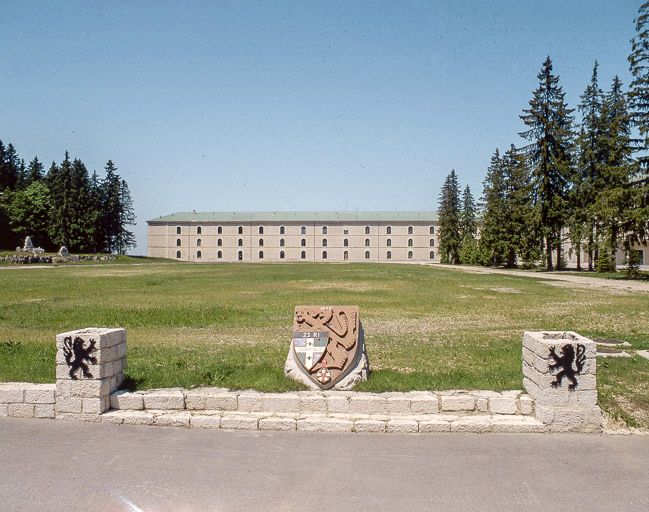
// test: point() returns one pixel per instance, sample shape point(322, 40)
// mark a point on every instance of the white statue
point(28, 246)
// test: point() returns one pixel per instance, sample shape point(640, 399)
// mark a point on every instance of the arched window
point(432, 242)
point(367, 230)
point(324, 255)
point(388, 242)
point(178, 242)
point(432, 255)
point(240, 256)
point(261, 242)
point(324, 242)
point(409, 255)
point(219, 230)
point(240, 242)
point(303, 255)
point(199, 230)
point(388, 230)
point(281, 230)
point(178, 254)
point(389, 255)
point(409, 242)
point(432, 230)
point(303, 230)
point(199, 255)
point(219, 255)
point(178, 230)
point(281, 242)
point(367, 242)
point(219, 243)
point(240, 230)
point(261, 230)
point(261, 255)
point(303, 242)
point(198, 242)
point(324, 230)
point(281, 255)
point(367, 255)
point(345, 243)
point(345, 255)
point(410, 230)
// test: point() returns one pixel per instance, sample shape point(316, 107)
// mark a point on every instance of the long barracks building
point(295, 236)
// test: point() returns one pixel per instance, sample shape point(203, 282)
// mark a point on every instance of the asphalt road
point(67, 466)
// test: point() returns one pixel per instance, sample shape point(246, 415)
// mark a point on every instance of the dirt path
point(561, 279)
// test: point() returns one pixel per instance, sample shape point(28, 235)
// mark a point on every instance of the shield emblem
point(309, 347)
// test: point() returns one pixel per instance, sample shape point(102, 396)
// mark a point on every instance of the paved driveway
point(68, 466)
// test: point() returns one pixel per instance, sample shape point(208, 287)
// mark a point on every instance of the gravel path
point(561, 278)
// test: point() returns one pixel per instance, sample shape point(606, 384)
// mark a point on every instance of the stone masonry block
point(311, 403)
point(527, 405)
point(197, 399)
point(325, 425)
point(367, 403)
point(174, 419)
point(203, 421)
point(89, 388)
point(424, 404)
point(398, 405)
point(40, 394)
point(221, 401)
point(281, 402)
point(127, 400)
point(468, 424)
point(94, 405)
point(250, 402)
point(434, 425)
point(402, 426)
point(369, 426)
point(11, 394)
point(338, 404)
point(44, 411)
point(239, 422)
point(482, 404)
point(462, 402)
point(164, 399)
point(503, 405)
point(70, 405)
point(4, 410)
point(278, 424)
point(136, 417)
point(20, 410)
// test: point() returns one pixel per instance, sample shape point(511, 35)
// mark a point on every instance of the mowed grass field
point(229, 325)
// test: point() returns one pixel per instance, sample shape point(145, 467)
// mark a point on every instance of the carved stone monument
point(559, 373)
point(328, 347)
point(63, 251)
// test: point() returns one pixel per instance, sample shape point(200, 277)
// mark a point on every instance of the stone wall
point(560, 374)
point(26, 400)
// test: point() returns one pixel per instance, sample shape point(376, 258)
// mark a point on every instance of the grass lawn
point(230, 325)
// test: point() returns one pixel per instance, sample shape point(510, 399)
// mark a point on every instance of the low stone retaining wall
point(559, 374)
point(26, 400)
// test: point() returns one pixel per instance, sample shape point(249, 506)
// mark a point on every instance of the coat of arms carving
point(327, 347)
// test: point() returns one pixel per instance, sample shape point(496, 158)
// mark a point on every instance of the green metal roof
point(297, 217)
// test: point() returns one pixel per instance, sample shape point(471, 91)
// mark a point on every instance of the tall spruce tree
point(449, 220)
point(494, 212)
point(521, 237)
point(469, 251)
point(639, 87)
point(35, 171)
point(550, 133)
point(126, 238)
point(110, 192)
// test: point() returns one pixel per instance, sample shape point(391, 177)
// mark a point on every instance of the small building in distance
point(295, 236)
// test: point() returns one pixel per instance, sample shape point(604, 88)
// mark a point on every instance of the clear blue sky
point(299, 105)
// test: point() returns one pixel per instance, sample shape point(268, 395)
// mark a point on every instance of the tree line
point(584, 181)
point(65, 206)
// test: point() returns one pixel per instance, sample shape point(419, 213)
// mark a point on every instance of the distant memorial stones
point(28, 246)
point(63, 251)
point(328, 347)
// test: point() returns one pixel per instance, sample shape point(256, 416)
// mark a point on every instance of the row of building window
point(219, 230)
point(282, 254)
point(219, 242)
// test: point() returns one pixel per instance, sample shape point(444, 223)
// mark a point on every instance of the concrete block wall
point(89, 367)
point(560, 374)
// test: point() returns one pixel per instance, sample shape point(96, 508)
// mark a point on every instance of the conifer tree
point(494, 212)
point(34, 171)
point(519, 231)
point(550, 134)
point(126, 238)
point(639, 87)
point(449, 220)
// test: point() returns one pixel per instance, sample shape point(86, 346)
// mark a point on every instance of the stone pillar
point(559, 373)
point(89, 367)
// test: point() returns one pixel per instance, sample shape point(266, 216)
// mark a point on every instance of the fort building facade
point(295, 236)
